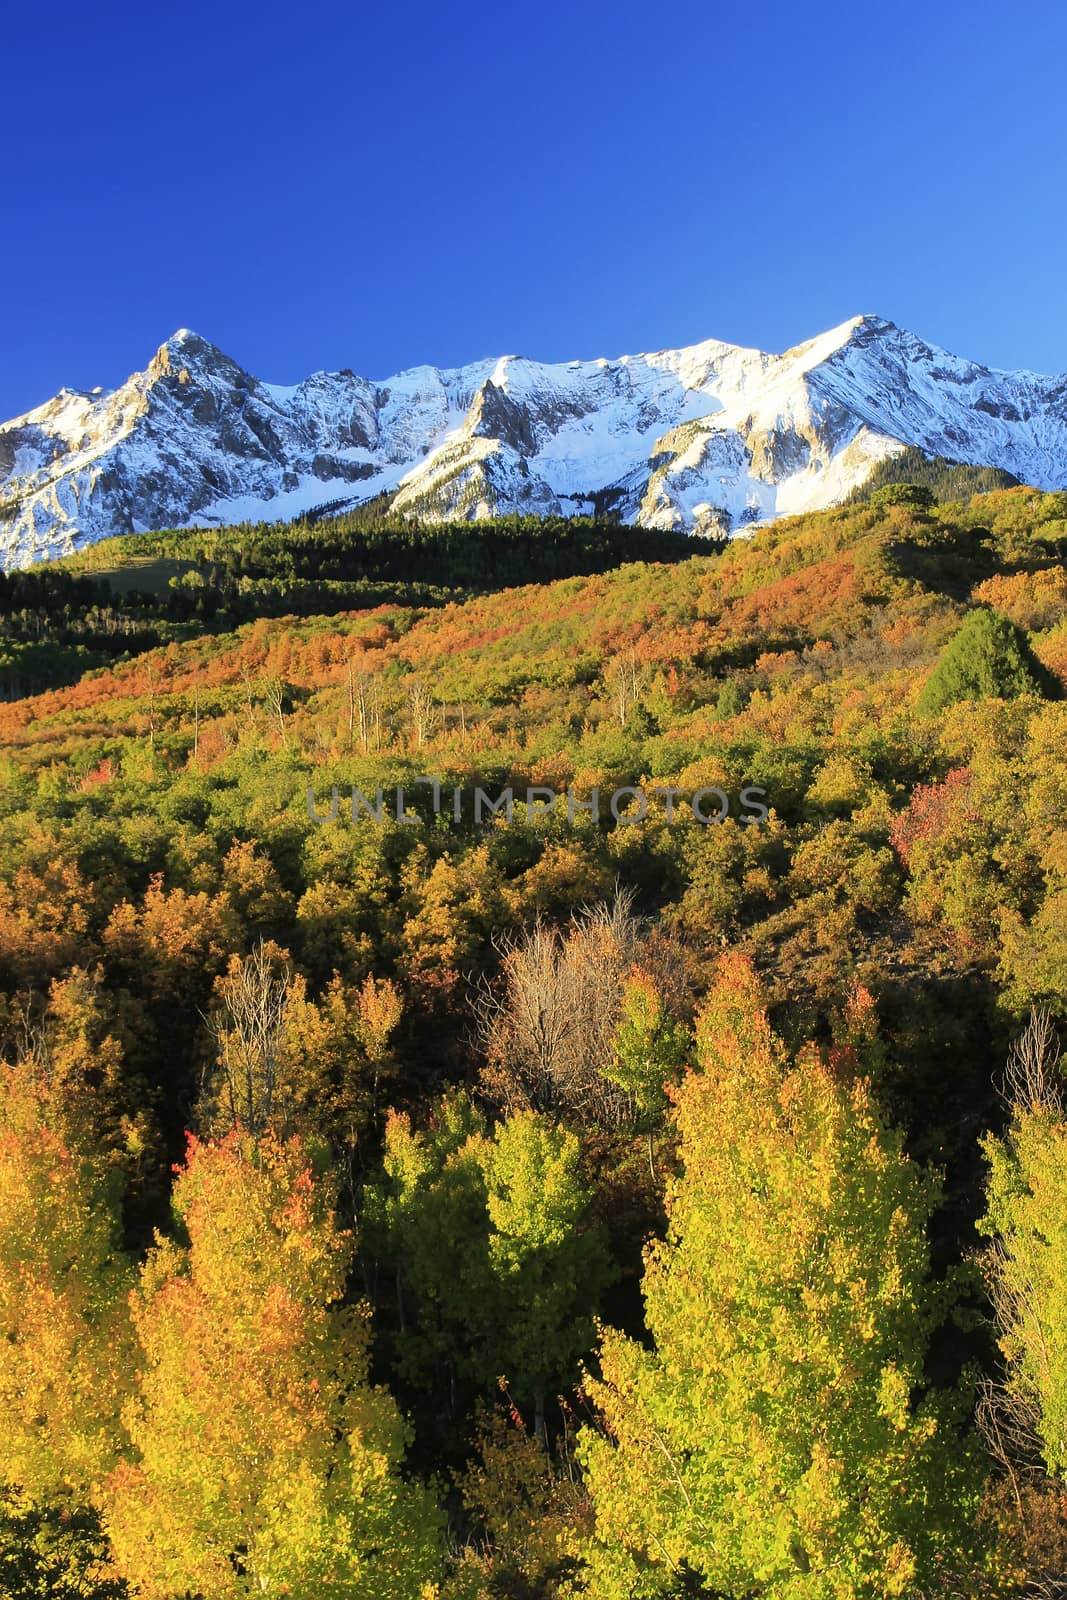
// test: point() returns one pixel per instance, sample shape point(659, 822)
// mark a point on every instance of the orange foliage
point(172, 938)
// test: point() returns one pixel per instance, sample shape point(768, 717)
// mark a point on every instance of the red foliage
point(928, 813)
point(806, 601)
point(103, 772)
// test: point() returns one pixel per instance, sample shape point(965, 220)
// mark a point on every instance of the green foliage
point(915, 496)
point(905, 901)
point(498, 1266)
point(126, 595)
point(765, 1441)
point(1027, 1263)
point(732, 700)
point(988, 658)
point(650, 1048)
point(943, 479)
point(548, 1266)
point(54, 1555)
point(1027, 1210)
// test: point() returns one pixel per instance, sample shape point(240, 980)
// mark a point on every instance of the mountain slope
point(712, 436)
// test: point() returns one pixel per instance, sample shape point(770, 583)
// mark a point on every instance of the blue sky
point(328, 185)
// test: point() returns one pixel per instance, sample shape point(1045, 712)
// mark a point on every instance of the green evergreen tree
point(989, 658)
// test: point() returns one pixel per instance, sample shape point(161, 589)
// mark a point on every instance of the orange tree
point(263, 1460)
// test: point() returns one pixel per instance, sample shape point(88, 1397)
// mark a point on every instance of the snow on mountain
point(712, 436)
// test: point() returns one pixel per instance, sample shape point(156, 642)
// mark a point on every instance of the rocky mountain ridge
point(712, 436)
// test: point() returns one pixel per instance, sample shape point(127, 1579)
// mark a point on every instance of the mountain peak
point(870, 324)
point(857, 330)
point(871, 319)
point(711, 437)
point(188, 352)
point(181, 339)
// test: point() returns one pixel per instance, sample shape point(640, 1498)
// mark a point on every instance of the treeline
point(129, 594)
point(946, 479)
point(496, 553)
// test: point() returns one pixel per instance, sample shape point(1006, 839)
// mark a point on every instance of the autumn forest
point(439, 1204)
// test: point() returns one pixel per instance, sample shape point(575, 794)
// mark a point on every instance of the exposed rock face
point(712, 436)
point(778, 453)
point(493, 415)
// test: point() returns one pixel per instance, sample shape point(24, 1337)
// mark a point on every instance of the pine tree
point(989, 657)
point(771, 1441)
point(264, 1462)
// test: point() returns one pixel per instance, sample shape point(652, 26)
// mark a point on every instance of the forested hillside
point(576, 1196)
point(126, 595)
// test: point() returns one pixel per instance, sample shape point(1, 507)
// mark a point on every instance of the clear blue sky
point(337, 184)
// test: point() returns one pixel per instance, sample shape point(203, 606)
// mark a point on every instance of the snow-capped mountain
point(713, 436)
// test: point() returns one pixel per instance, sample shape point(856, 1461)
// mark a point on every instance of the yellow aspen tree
point(1027, 1260)
point(773, 1440)
point(263, 1460)
point(66, 1348)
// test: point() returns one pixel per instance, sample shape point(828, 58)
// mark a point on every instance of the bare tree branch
point(243, 1088)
